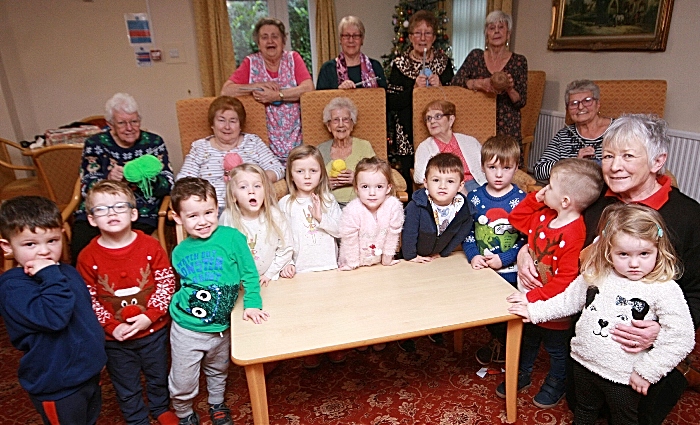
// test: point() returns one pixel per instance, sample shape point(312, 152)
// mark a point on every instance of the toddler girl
point(628, 275)
point(371, 223)
point(312, 213)
point(251, 208)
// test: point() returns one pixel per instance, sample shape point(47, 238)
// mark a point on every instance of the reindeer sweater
point(617, 300)
point(128, 281)
point(555, 251)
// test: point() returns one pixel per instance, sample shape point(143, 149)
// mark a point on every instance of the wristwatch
point(281, 96)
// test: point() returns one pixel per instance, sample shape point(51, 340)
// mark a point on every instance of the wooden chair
point(193, 125)
point(370, 126)
point(57, 168)
point(530, 113)
point(10, 185)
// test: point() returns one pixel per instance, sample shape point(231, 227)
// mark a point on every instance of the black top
point(328, 76)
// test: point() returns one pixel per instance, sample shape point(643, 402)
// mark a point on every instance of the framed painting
point(610, 24)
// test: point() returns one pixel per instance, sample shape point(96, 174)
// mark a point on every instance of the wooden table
point(328, 311)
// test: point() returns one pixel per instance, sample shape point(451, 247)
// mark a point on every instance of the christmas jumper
point(421, 234)
point(492, 233)
point(555, 251)
point(364, 237)
point(211, 271)
point(315, 247)
point(125, 282)
point(270, 252)
point(101, 153)
point(49, 318)
point(617, 300)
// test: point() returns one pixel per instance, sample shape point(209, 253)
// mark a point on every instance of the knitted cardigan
point(470, 147)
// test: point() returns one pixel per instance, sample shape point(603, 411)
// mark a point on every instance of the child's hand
point(479, 262)
point(264, 280)
point(493, 261)
point(119, 331)
point(520, 310)
point(539, 196)
point(517, 298)
point(388, 260)
point(421, 259)
point(33, 267)
point(639, 384)
point(315, 208)
point(288, 271)
point(345, 268)
point(140, 322)
point(256, 315)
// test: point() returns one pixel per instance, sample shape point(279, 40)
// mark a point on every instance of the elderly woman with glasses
point(583, 138)
point(352, 68)
point(439, 117)
point(104, 157)
point(477, 69)
point(419, 66)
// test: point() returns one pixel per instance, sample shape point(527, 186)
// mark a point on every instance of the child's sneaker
point(494, 352)
point(220, 415)
point(312, 362)
point(407, 345)
point(437, 339)
point(192, 419)
point(524, 383)
point(551, 393)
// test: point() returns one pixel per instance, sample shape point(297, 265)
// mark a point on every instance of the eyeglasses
point(344, 120)
point(347, 37)
point(124, 124)
point(422, 34)
point(573, 104)
point(436, 117)
point(118, 208)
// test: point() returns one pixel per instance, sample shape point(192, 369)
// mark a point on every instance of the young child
point(312, 213)
point(131, 283)
point(628, 275)
point(212, 263)
point(556, 232)
point(436, 220)
point(493, 242)
point(47, 313)
point(251, 208)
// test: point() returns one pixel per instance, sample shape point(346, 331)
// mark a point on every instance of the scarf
point(367, 71)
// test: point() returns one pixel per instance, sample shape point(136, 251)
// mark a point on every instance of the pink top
point(453, 148)
point(301, 74)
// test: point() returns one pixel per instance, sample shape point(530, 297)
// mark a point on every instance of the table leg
point(258, 395)
point(513, 337)
point(459, 340)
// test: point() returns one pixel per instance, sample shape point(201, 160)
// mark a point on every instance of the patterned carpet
point(431, 386)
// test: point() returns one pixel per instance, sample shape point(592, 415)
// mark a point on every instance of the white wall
point(678, 65)
point(376, 15)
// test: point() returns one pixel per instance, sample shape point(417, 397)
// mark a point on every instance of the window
point(467, 28)
point(243, 14)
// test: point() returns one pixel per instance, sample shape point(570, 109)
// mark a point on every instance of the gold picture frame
point(610, 25)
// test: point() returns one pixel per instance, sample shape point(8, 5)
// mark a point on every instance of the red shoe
point(338, 356)
point(313, 361)
point(168, 418)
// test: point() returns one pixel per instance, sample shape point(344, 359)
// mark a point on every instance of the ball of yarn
point(337, 166)
point(499, 81)
point(143, 171)
point(231, 161)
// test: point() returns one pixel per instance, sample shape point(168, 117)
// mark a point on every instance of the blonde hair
point(109, 187)
point(323, 190)
point(580, 179)
point(374, 164)
point(636, 221)
point(268, 208)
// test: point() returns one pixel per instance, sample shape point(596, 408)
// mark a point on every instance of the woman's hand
point(347, 84)
point(267, 95)
point(483, 84)
point(421, 81)
point(527, 273)
point(116, 173)
point(638, 337)
point(434, 80)
point(586, 152)
point(345, 178)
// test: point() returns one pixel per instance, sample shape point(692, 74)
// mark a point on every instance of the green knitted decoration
point(143, 171)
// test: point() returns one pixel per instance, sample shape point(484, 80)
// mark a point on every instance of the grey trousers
point(190, 352)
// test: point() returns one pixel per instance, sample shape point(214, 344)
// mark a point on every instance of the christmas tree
point(403, 12)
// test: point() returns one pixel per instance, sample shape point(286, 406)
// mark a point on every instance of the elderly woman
point(407, 72)
point(210, 158)
point(351, 68)
point(340, 116)
point(104, 157)
point(635, 149)
point(439, 117)
point(583, 138)
point(475, 73)
point(277, 79)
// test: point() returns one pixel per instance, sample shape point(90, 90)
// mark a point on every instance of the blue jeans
point(555, 342)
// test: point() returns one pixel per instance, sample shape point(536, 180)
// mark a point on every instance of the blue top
point(49, 317)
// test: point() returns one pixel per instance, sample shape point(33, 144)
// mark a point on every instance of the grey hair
point(340, 103)
point(498, 16)
point(580, 86)
point(649, 130)
point(351, 20)
point(120, 102)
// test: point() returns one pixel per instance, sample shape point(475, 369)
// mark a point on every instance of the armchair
point(10, 185)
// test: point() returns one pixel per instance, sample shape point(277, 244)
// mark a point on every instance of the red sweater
point(128, 281)
point(555, 251)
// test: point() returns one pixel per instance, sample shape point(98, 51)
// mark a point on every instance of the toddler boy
point(212, 262)
point(493, 242)
point(437, 218)
point(48, 315)
point(131, 283)
point(556, 232)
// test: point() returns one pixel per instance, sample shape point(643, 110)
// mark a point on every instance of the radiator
point(683, 156)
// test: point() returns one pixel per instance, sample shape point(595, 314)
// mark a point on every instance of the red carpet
point(432, 386)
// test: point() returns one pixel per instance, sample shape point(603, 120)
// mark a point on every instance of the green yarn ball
point(142, 171)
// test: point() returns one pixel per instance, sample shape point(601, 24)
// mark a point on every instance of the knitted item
point(337, 167)
point(231, 161)
point(143, 171)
